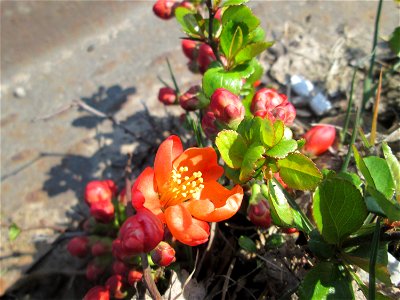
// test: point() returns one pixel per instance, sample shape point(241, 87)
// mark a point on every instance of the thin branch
point(151, 285)
point(211, 40)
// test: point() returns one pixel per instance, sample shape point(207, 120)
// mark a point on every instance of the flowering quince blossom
point(182, 190)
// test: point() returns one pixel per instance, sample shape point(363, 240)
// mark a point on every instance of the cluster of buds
point(99, 196)
point(318, 139)
point(226, 110)
point(165, 9)
point(268, 103)
point(200, 55)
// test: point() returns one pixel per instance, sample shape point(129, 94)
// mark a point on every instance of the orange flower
point(182, 190)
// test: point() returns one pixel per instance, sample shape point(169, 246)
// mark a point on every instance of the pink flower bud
point(134, 276)
point(163, 255)
point(100, 190)
point(259, 214)
point(189, 100)
point(318, 139)
point(190, 48)
point(208, 123)
point(97, 293)
point(140, 233)
point(290, 230)
point(93, 271)
point(78, 246)
point(101, 247)
point(119, 268)
point(164, 9)
point(167, 96)
point(102, 211)
point(115, 284)
point(218, 14)
point(205, 57)
point(227, 107)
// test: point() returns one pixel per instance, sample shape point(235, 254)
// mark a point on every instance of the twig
point(349, 105)
point(211, 41)
point(189, 277)
point(151, 285)
point(228, 276)
point(128, 186)
point(210, 243)
point(375, 116)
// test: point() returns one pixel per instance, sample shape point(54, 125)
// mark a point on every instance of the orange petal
point(200, 159)
point(217, 203)
point(184, 228)
point(168, 151)
point(144, 192)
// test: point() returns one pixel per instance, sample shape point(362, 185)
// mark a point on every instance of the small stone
point(90, 48)
point(19, 92)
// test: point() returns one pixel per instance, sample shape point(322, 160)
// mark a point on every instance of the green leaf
point(281, 211)
point(257, 35)
point(231, 40)
point(338, 209)
point(189, 22)
point(253, 160)
point(362, 167)
point(232, 148)
point(232, 174)
point(267, 133)
point(247, 244)
point(380, 173)
point(251, 50)
point(13, 231)
point(257, 73)
point(279, 130)
point(299, 172)
point(394, 167)
point(394, 41)
point(319, 247)
point(377, 203)
point(326, 281)
point(249, 128)
point(282, 149)
point(240, 13)
point(360, 257)
point(217, 77)
point(353, 178)
point(234, 2)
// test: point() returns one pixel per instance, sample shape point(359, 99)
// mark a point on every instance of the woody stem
point(151, 285)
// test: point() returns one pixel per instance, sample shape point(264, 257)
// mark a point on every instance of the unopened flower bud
point(97, 293)
point(93, 271)
point(258, 211)
point(163, 255)
point(318, 139)
point(134, 276)
point(78, 246)
point(102, 211)
point(190, 48)
point(141, 232)
point(167, 95)
point(209, 125)
point(101, 247)
point(164, 9)
point(189, 100)
point(119, 268)
point(100, 190)
point(290, 230)
point(205, 57)
point(115, 284)
point(227, 107)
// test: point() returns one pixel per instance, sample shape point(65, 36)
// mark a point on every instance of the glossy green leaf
point(380, 173)
point(189, 22)
point(379, 204)
point(232, 148)
point(281, 211)
point(234, 2)
point(231, 39)
point(338, 209)
point(394, 167)
point(247, 244)
point(299, 172)
point(362, 167)
point(267, 133)
point(282, 149)
point(240, 13)
point(353, 178)
point(217, 77)
point(253, 160)
point(251, 50)
point(257, 35)
point(326, 281)
point(279, 130)
point(13, 231)
point(394, 41)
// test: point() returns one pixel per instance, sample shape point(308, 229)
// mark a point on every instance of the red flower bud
point(185, 4)
point(134, 276)
point(100, 190)
point(164, 9)
point(290, 230)
point(93, 271)
point(167, 95)
point(218, 14)
point(205, 57)
point(189, 100)
point(208, 123)
point(140, 233)
point(190, 48)
point(163, 255)
point(318, 139)
point(78, 246)
point(268, 103)
point(115, 284)
point(119, 268)
point(102, 211)
point(278, 177)
point(97, 293)
point(101, 247)
point(227, 107)
point(259, 214)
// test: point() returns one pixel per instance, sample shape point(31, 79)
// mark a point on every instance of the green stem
point(368, 80)
point(173, 77)
point(352, 141)
point(349, 105)
point(372, 260)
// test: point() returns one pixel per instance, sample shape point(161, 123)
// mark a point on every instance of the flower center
point(181, 187)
